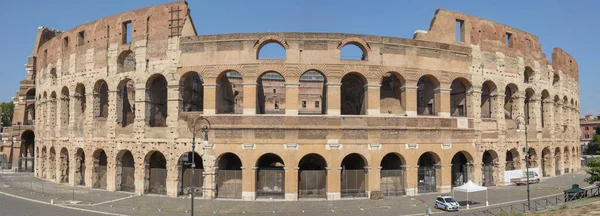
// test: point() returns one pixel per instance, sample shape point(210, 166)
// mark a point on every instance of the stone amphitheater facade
point(117, 99)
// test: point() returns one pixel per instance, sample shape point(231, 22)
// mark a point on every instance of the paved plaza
point(121, 203)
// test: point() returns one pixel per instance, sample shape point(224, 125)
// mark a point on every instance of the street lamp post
point(205, 128)
point(526, 152)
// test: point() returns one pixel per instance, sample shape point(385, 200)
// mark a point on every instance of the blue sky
point(571, 25)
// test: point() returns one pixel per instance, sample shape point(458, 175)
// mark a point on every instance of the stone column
point(535, 113)
point(547, 114)
point(249, 182)
point(174, 174)
point(139, 123)
point(291, 183)
point(210, 98)
point(373, 180)
point(209, 186)
point(291, 99)
point(442, 102)
point(412, 181)
point(409, 97)
point(111, 119)
point(249, 100)
point(112, 168)
point(443, 175)
point(373, 99)
point(333, 183)
point(333, 98)
point(558, 115)
point(473, 105)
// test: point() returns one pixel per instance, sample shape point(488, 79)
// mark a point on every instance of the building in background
point(588, 129)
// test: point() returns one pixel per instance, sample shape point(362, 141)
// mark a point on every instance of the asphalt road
point(10, 206)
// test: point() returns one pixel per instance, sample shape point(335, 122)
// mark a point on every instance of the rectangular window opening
point(274, 91)
point(277, 105)
point(127, 32)
point(66, 43)
point(303, 104)
point(81, 38)
point(508, 40)
point(316, 104)
point(460, 30)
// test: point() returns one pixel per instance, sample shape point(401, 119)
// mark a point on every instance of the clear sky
point(570, 25)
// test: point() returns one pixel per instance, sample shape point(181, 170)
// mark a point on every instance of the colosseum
point(120, 100)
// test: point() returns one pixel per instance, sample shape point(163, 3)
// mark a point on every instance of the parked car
point(533, 178)
point(446, 203)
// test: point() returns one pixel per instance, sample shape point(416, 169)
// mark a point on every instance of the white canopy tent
point(471, 187)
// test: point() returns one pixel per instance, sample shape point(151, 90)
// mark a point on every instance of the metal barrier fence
point(186, 184)
point(354, 183)
point(427, 181)
point(128, 179)
point(392, 182)
point(229, 184)
point(100, 177)
point(158, 181)
point(270, 184)
point(312, 184)
point(26, 164)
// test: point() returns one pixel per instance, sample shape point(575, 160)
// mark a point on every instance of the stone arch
point(101, 99)
point(357, 42)
point(513, 161)
point(54, 111)
point(156, 101)
point(80, 99)
point(427, 97)
point(63, 166)
point(29, 114)
point(30, 95)
point(555, 79)
point(27, 151)
point(546, 162)
point(79, 167)
point(65, 107)
point(392, 94)
point(99, 169)
point(125, 171)
point(52, 163)
point(528, 75)
point(229, 176)
point(155, 175)
point(545, 108)
point(462, 168)
point(393, 175)
point(574, 159)
point(125, 102)
point(191, 92)
point(489, 98)
point(490, 168)
point(354, 176)
point(229, 93)
point(528, 110)
point(312, 88)
point(312, 176)
point(533, 157)
point(270, 176)
point(270, 93)
point(126, 61)
point(353, 98)
point(557, 161)
point(271, 50)
point(53, 75)
point(184, 183)
point(510, 106)
point(429, 176)
point(43, 163)
point(459, 96)
point(270, 39)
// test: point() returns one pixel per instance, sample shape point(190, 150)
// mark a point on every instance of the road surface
point(10, 206)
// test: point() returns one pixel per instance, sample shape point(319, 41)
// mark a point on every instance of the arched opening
point(27, 156)
point(125, 171)
point(426, 97)
point(529, 112)
point(126, 61)
point(271, 50)
point(191, 92)
point(80, 100)
point(353, 94)
point(574, 159)
point(44, 162)
point(52, 164)
point(44, 108)
point(565, 114)
point(53, 110)
point(545, 108)
point(64, 108)
point(510, 94)
point(557, 161)
point(352, 51)
point(354, 176)
point(270, 94)
point(100, 164)
point(458, 97)
point(185, 175)
point(546, 162)
point(489, 162)
point(312, 176)
point(566, 164)
point(557, 113)
point(63, 166)
point(270, 177)
point(528, 76)
point(312, 95)
point(126, 103)
point(156, 101)
point(428, 179)
point(532, 160)
point(230, 93)
point(461, 168)
point(53, 75)
point(30, 114)
point(79, 167)
point(488, 99)
point(229, 179)
point(101, 99)
point(555, 79)
point(390, 94)
point(30, 94)
point(393, 177)
point(512, 159)
point(155, 179)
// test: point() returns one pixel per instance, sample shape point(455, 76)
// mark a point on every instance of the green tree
point(594, 171)
point(6, 112)
point(594, 145)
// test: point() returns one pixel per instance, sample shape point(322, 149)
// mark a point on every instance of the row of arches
point(312, 97)
point(270, 171)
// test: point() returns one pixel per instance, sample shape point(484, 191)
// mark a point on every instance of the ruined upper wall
point(561, 60)
point(491, 37)
point(151, 24)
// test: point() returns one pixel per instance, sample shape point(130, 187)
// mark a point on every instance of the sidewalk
point(27, 186)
